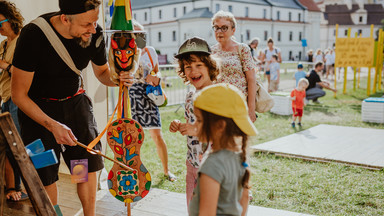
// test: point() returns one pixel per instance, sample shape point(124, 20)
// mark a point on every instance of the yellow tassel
point(110, 2)
point(128, 10)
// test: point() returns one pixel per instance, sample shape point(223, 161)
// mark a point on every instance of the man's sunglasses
point(1, 22)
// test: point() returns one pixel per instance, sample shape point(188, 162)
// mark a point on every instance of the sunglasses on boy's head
point(3, 21)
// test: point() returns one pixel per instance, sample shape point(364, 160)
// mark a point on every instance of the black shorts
point(77, 114)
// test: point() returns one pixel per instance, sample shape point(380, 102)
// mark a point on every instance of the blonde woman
point(237, 66)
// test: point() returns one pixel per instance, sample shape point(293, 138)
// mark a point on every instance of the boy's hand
point(188, 129)
point(293, 98)
point(174, 126)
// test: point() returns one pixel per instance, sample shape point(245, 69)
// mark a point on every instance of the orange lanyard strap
point(120, 108)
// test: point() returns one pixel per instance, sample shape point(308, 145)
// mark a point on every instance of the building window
point(230, 8)
point(279, 36)
point(265, 35)
point(184, 10)
point(174, 12)
point(248, 35)
point(346, 32)
point(290, 55)
point(134, 16)
point(278, 15)
point(359, 32)
point(360, 19)
point(174, 36)
point(145, 16)
point(217, 7)
point(334, 32)
point(290, 16)
point(290, 36)
point(159, 37)
point(300, 55)
point(159, 14)
point(185, 36)
point(300, 36)
point(299, 17)
point(265, 13)
point(246, 11)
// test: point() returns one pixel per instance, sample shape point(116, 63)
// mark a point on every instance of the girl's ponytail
point(247, 174)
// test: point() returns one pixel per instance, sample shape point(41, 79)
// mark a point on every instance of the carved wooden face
point(124, 49)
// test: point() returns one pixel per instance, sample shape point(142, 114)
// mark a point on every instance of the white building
point(358, 15)
point(169, 22)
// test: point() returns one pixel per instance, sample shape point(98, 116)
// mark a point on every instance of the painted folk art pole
point(358, 78)
point(125, 136)
point(369, 70)
point(335, 67)
point(354, 73)
point(346, 68)
point(379, 60)
point(377, 65)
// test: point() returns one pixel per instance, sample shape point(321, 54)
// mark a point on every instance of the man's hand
point(63, 134)
point(174, 126)
point(127, 78)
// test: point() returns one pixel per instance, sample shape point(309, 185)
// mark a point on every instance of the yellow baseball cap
point(226, 100)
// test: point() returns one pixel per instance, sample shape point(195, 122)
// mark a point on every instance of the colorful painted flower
point(130, 153)
point(110, 175)
point(128, 139)
point(128, 183)
point(119, 150)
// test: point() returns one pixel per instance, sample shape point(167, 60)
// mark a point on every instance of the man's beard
point(82, 43)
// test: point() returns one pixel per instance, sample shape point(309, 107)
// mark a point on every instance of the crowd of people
point(44, 91)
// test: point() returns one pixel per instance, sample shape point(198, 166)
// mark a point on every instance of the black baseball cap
point(71, 7)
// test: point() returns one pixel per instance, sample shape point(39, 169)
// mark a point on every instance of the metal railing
point(171, 83)
point(176, 90)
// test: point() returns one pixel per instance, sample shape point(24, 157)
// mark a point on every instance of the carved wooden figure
point(125, 135)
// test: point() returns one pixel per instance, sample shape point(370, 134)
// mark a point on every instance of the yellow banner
point(354, 52)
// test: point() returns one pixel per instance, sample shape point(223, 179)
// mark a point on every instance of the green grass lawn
point(290, 184)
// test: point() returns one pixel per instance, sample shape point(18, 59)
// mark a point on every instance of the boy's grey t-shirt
point(225, 167)
point(273, 68)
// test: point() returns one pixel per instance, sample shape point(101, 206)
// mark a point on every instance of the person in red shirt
point(297, 97)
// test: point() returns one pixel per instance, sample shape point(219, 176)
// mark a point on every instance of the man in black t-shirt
point(315, 87)
point(52, 106)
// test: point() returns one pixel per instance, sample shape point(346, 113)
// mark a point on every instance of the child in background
point(274, 69)
point(222, 120)
point(197, 67)
point(297, 97)
point(300, 73)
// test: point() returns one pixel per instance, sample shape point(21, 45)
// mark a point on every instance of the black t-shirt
point(313, 78)
point(53, 78)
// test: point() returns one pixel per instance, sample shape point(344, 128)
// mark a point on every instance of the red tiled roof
point(310, 5)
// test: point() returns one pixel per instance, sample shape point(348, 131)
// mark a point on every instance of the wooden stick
point(101, 154)
point(128, 209)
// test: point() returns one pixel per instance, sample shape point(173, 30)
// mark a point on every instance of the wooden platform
point(356, 146)
point(157, 203)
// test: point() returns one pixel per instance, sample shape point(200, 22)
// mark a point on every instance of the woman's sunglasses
point(1, 22)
